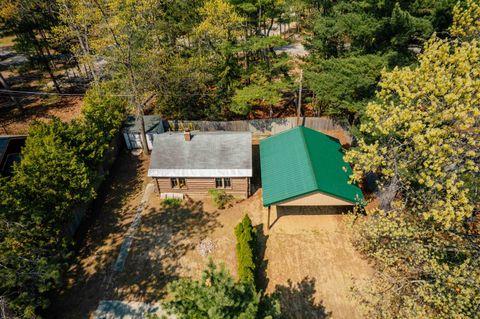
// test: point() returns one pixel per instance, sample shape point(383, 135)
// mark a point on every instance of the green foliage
point(426, 272)
point(36, 203)
point(215, 296)
point(365, 26)
point(423, 144)
point(352, 41)
point(263, 94)
point(344, 86)
point(172, 202)
point(192, 56)
point(246, 238)
point(56, 174)
point(220, 198)
point(103, 110)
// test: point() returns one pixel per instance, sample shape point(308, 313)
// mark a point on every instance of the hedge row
point(57, 173)
point(246, 237)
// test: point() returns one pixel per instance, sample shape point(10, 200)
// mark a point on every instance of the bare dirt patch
point(25, 78)
point(312, 264)
point(64, 108)
point(171, 244)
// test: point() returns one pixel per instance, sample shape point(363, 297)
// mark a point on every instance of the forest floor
point(20, 76)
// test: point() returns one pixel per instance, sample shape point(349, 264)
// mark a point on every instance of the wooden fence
point(260, 127)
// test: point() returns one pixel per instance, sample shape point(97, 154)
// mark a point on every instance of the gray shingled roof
point(153, 124)
point(4, 141)
point(208, 154)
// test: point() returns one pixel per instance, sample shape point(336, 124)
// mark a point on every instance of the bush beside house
point(220, 198)
point(246, 237)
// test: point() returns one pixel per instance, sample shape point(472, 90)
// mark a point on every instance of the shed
point(132, 130)
point(303, 167)
point(10, 148)
point(194, 163)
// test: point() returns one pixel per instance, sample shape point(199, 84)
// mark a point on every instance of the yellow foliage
point(466, 22)
point(426, 126)
point(220, 21)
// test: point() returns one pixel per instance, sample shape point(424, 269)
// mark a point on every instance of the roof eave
point(361, 202)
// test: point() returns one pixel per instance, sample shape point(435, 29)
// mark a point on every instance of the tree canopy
point(56, 175)
point(422, 141)
point(352, 41)
point(216, 295)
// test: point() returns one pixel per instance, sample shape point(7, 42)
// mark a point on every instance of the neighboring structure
point(10, 147)
point(194, 163)
point(303, 167)
point(132, 130)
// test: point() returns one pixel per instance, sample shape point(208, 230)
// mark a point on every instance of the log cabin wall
point(201, 185)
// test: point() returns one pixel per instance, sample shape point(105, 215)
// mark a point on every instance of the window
point(178, 182)
point(223, 182)
point(182, 183)
point(227, 183)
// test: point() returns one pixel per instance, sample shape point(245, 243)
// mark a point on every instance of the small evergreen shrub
point(172, 202)
point(246, 237)
point(220, 198)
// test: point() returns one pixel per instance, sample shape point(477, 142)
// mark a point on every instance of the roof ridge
point(310, 165)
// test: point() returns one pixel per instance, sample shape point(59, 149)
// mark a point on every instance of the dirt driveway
point(311, 263)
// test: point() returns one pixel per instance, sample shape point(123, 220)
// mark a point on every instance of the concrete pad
point(117, 309)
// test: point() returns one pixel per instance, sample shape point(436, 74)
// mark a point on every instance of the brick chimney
point(187, 135)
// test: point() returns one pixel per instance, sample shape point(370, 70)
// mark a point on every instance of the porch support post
point(268, 218)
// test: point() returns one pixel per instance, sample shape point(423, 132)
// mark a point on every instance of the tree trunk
point(270, 27)
point(47, 50)
point(4, 83)
point(83, 42)
point(142, 129)
point(299, 105)
point(45, 61)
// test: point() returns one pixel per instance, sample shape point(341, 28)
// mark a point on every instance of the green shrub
point(57, 174)
point(246, 237)
point(215, 295)
point(220, 198)
point(172, 202)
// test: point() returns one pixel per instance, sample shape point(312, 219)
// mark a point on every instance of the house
point(10, 147)
point(132, 132)
point(303, 167)
point(193, 163)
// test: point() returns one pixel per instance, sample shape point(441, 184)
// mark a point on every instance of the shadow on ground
point(297, 300)
point(164, 237)
point(262, 263)
point(98, 240)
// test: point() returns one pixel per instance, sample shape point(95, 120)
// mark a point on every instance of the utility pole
point(4, 83)
point(299, 104)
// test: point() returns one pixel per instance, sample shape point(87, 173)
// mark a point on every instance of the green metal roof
point(301, 161)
